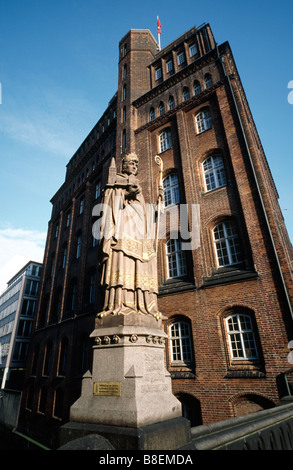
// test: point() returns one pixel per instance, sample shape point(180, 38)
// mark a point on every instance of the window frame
point(241, 337)
point(181, 58)
point(226, 244)
point(165, 140)
point(158, 73)
point(177, 258)
point(219, 180)
point(172, 188)
point(203, 121)
point(169, 66)
point(180, 342)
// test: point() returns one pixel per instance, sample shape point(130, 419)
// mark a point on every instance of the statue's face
point(130, 167)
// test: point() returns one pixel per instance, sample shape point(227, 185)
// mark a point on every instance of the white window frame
point(169, 66)
point(158, 73)
point(203, 121)
point(181, 58)
point(214, 172)
point(165, 140)
point(180, 342)
point(241, 337)
point(176, 259)
point(227, 246)
point(171, 190)
point(192, 49)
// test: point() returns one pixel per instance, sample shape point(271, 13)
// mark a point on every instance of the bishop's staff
point(159, 162)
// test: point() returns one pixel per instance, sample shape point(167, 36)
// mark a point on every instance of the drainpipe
point(220, 58)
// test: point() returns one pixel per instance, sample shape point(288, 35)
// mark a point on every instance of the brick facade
point(212, 384)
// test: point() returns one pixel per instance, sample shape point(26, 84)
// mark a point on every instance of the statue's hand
point(133, 189)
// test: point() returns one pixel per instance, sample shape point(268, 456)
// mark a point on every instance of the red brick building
point(229, 301)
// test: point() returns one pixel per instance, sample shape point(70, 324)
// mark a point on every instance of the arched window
point(227, 244)
point(171, 190)
point(203, 121)
point(214, 172)
point(152, 114)
point(196, 87)
point(165, 140)
point(171, 103)
point(64, 255)
point(78, 245)
point(208, 81)
point(161, 108)
point(180, 342)
point(241, 337)
point(186, 94)
point(176, 259)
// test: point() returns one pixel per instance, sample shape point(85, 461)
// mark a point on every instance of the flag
point(159, 25)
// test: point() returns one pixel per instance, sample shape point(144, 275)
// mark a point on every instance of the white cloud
point(53, 120)
point(17, 247)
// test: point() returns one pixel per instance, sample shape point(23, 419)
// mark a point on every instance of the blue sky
point(58, 71)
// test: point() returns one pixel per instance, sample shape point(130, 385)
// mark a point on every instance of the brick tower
point(228, 302)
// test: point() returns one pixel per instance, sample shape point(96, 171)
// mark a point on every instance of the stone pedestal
point(129, 386)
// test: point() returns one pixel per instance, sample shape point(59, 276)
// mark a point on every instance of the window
point(42, 399)
point(73, 295)
point(171, 103)
point(78, 246)
point(158, 73)
point(169, 66)
point(165, 140)
point(203, 121)
point(171, 190)
point(24, 328)
point(28, 307)
point(181, 58)
point(123, 140)
point(192, 50)
point(68, 217)
point(81, 205)
point(124, 71)
point(152, 114)
point(208, 81)
point(124, 114)
point(241, 337)
point(186, 94)
point(176, 260)
point(124, 92)
point(98, 190)
point(31, 287)
point(161, 108)
point(64, 255)
point(227, 244)
point(214, 172)
point(196, 87)
point(180, 342)
point(92, 288)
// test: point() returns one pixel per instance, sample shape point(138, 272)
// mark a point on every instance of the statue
point(128, 245)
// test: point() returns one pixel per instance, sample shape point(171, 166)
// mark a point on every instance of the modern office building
point(228, 300)
point(17, 310)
